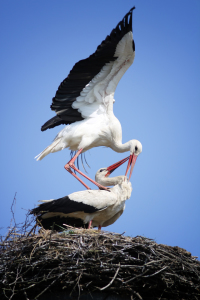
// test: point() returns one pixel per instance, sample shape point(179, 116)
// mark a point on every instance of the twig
point(156, 272)
point(137, 294)
point(105, 287)
point(31, 230)
point(140, 275)
point(12, 211)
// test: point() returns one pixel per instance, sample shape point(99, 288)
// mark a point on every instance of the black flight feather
point(63, 205)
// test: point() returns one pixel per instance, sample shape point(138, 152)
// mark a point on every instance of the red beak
point(131, 162)
point(116, 165)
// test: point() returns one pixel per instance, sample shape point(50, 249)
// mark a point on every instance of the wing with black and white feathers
point(88, 201)
point(63, 205)
point(84, 92)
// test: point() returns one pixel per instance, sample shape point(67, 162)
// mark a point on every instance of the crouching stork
point(97, 208)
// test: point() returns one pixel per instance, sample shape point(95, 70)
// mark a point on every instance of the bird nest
point(78, 261)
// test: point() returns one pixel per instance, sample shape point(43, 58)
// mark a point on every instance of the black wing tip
point(132, 9)
point(35, 211)
point(129, 13)
point(55, 121)
point(125, 25)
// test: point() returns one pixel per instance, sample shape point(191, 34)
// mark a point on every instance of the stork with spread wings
point(84, 101)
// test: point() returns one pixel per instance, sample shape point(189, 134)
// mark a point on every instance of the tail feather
point(51, 148)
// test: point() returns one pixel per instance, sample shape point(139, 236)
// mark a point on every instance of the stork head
point(103, 173)
point(135, 147)
point(102, 177)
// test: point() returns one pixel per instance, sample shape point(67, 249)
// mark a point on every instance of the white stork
point(99, 208)
point(84, 101)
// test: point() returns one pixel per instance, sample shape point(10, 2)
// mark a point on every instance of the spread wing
point(92, 81)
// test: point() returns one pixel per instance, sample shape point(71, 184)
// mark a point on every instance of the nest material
point(86, 261)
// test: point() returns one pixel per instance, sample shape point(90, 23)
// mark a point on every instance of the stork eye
point(136, 148)
point(101, 170)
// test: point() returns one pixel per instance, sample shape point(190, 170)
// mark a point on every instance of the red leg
point(70, 164)
point(85, 185)
point(99, 227)
point(89, 224)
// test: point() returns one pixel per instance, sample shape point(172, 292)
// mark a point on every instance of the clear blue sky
point(157, 102)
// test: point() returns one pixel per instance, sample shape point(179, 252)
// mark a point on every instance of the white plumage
point(84, 100)
point(97, 207)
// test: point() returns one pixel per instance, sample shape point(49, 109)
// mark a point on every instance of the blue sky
point(157, 102)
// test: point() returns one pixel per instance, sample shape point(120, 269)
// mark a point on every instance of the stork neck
point(121, 148)
point(112, 181)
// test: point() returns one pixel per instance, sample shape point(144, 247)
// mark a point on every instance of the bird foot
point(101, 187)
point(104, 188)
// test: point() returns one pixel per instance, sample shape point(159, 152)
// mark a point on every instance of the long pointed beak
point(131, 163)
point(116, 165)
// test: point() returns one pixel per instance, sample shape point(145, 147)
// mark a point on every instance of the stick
point(105, 287)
